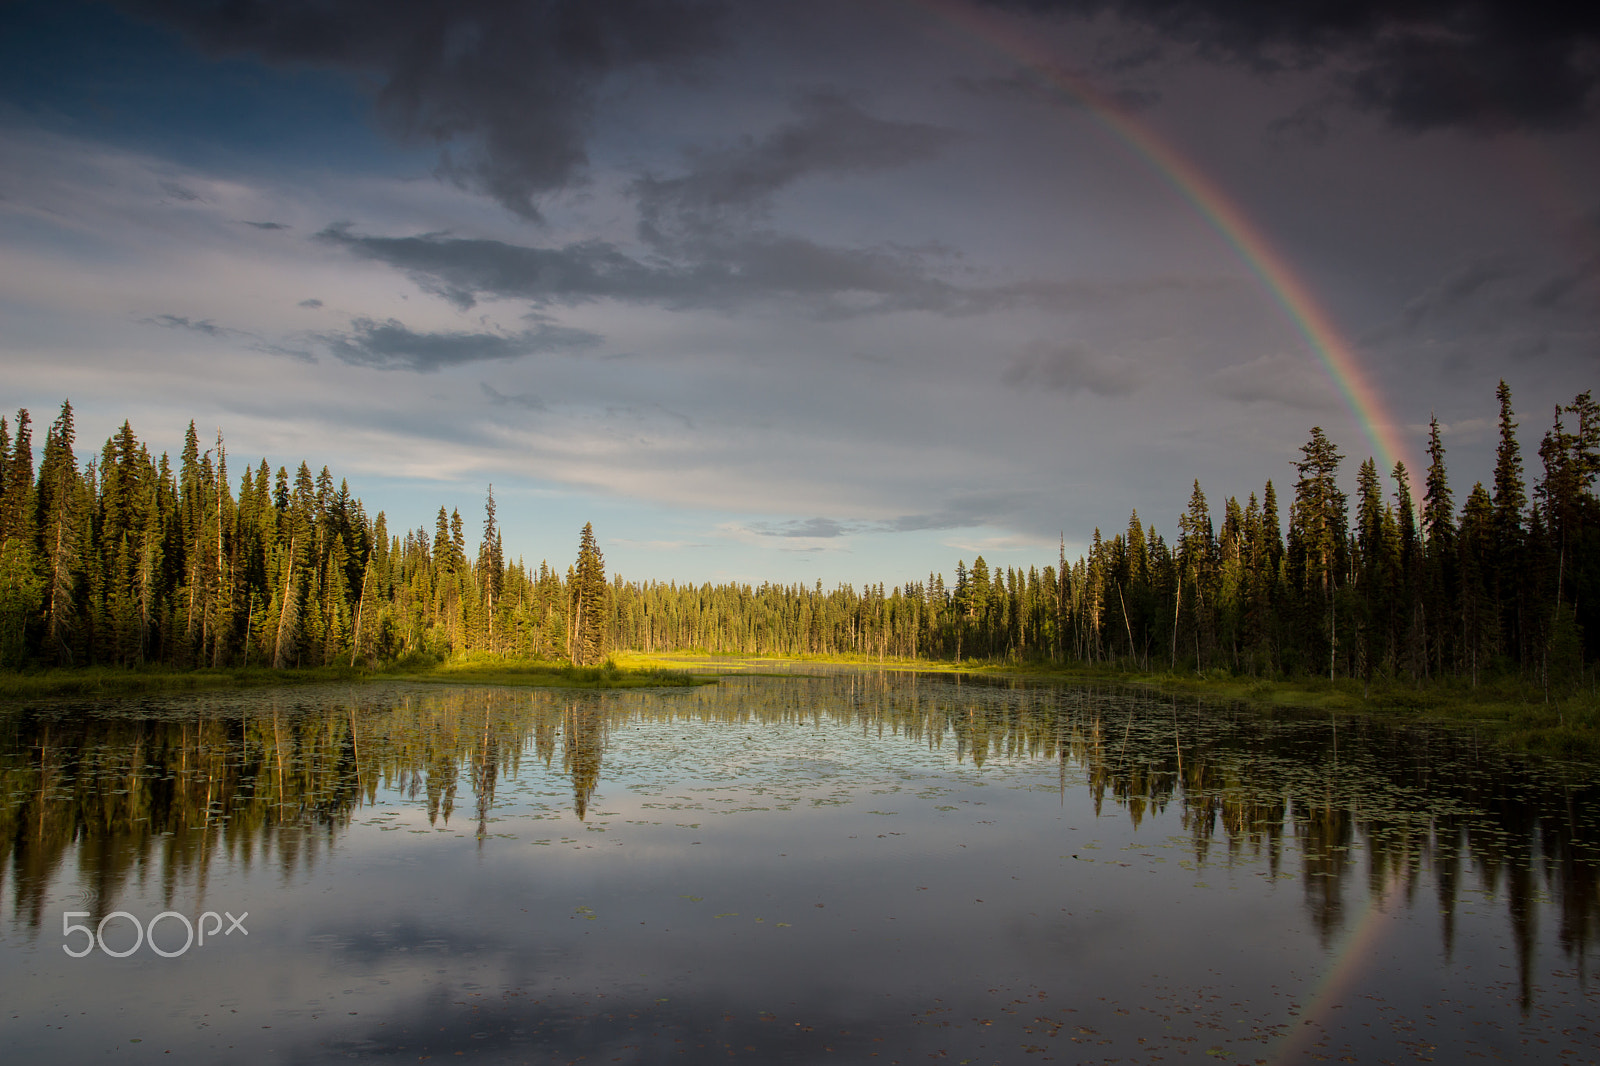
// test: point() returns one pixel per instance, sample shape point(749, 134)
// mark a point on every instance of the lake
point(839, 868)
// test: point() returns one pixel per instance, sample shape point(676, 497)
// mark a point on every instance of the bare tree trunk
point(222, 581)
point(1177, 605)
point(361, 605)
point(1126, 623)
point(284, 614)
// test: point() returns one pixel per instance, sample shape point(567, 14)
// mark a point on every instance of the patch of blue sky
point(86, 71)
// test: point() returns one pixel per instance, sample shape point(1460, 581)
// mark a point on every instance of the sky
point(800, 292)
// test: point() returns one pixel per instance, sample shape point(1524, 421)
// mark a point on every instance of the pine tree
point(1196, 567)
point(20, 584)
point(588, 592)
point(295, 534)
point(1376, 567)
point(1475, 557)
point(16, 483)
point(1409, 560)
point(1318, 543)
point(491, 566)
point(1439, 554)
point(1506, 550)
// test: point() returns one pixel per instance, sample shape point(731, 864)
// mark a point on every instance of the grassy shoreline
point(1512, 712)
point(115, 681)
point(1515, 713)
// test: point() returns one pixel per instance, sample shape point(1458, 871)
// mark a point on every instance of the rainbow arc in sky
point(1186, 178)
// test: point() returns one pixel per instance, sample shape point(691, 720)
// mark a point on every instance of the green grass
point(108, 681)
point(1512, 712)
point(96, 681)
point(496, 670)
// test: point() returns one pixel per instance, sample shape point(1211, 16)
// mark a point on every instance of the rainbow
point(1348, 959)
point(1192, 184)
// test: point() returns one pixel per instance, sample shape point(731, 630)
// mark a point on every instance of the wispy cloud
point(390, 345)
point(1072, 368)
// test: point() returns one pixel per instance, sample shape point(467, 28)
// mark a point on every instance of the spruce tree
point(1409, 561)
point(16, 482)
point(1318, 544)
point(20, 580)
point(587, 591)
point(1476, 550)
point(1506, 550)
point(1376, 568)
point(1439, 555)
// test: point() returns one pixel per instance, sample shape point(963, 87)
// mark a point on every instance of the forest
point(129, 559)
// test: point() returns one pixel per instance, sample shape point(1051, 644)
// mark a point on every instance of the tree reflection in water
point(178, 786)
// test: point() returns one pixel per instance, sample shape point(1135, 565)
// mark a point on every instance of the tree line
point(126, 559)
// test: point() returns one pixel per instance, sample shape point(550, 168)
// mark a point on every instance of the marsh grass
point(1514, 713)
point(112, 681)
point(498, 670)
point(95, 681)
point(1506, 710)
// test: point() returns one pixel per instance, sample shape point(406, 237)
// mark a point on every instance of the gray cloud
point(252, 341)
point(1034, 85)
point(830, 135)
point(1456, 288)
point(505, 88)
point(963, 512)
point(525, 400)
point(311, 304)
point(1070, 367)
point(298, 354)
point(1276, 379)
point(1554, 291)
point(822, 528)
point(1423, 64)
point(719, 273)
point(195, 325)
point(264, 225)
point(180, 192)
point(389, 345)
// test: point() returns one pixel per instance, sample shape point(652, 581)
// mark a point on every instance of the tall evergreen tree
point(19, 570)
point(1506, 551)
point(1408, 632)
point(1439, 555)
point(1476, 556)
point(16, 482)
point(491, 567)
point(1318, 543)
point(588, 592)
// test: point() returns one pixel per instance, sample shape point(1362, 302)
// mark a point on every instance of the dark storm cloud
point(1422, 64)
point(390, 345)
point(511, 83)
point(1071, 368)
point(829, 135)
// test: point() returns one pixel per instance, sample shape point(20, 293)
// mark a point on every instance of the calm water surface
point(839, 868)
